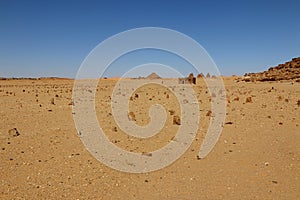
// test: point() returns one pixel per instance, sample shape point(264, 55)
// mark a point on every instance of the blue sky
point(40, 38)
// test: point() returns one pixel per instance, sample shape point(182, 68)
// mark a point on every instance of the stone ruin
point(188, 80)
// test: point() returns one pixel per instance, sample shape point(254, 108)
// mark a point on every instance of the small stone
point(149, 154)
point(176, 120)
point(52, 101)
point(248, 100)
point(131, 116)
point(236, 99)
point(208, 114)
point(13, 132)
point(172, 112)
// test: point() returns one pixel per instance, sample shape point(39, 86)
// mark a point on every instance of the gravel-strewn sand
point(256, 157)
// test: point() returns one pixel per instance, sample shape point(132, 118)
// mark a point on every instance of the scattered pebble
point(13, 132)
point(236, 99)
point(176, 120)
point(248, 100)
point(52, 101)
point(208, 114)
point(172, 112)
point(149, 154)
point(131, 116)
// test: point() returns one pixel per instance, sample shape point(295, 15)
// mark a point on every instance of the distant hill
point(287, 71)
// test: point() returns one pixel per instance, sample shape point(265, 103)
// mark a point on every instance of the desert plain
point(256, 157)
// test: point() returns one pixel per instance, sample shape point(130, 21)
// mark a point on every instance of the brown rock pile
point(287, 71)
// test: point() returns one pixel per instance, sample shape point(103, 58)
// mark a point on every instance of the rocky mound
point(287, 71)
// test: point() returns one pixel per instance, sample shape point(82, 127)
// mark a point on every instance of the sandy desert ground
point(256, 157)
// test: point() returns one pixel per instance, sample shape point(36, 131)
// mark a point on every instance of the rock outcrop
point(287, 71)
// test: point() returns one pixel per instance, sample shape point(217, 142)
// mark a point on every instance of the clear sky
point(52, 38)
